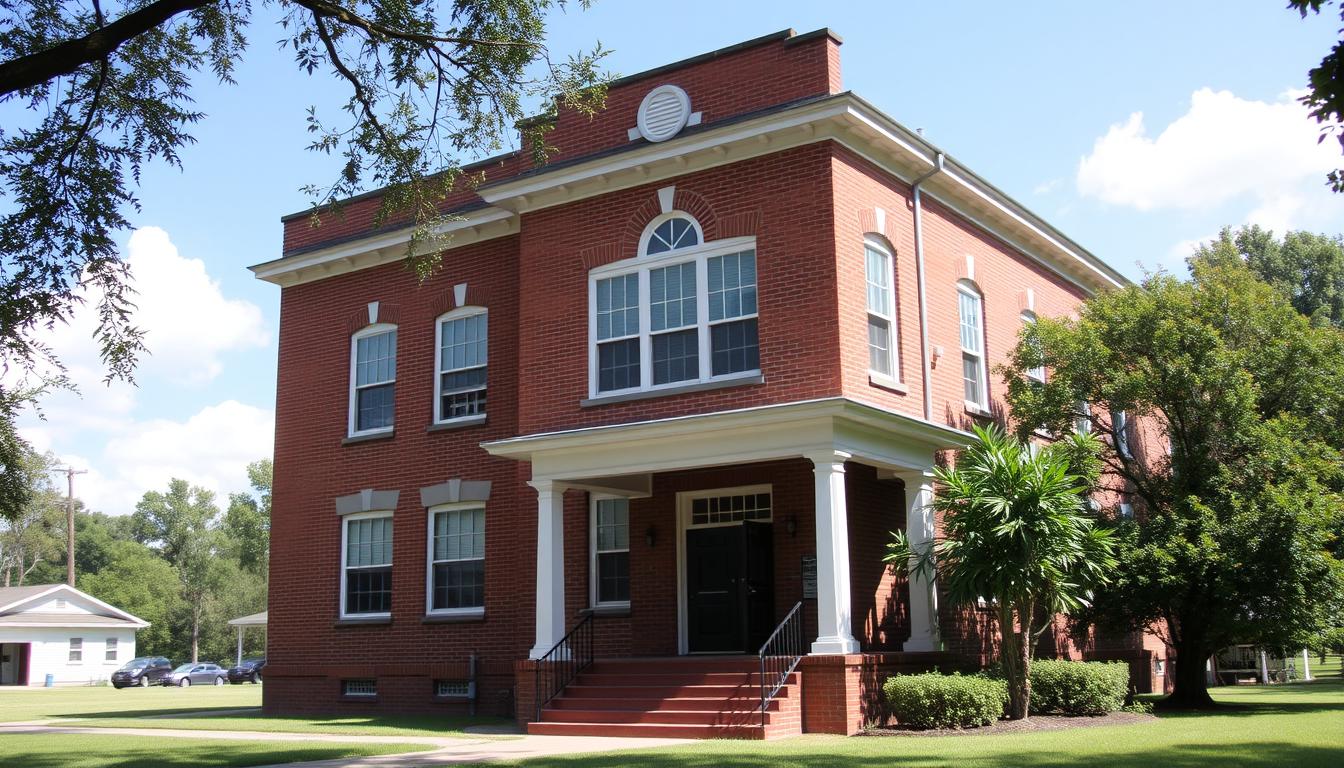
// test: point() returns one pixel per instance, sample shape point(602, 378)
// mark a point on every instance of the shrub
point(1078, 688)
point(945, 701)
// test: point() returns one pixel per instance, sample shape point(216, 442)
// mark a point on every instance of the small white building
point(56, 630)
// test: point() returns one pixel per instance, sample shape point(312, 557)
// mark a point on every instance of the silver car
point(201, 672)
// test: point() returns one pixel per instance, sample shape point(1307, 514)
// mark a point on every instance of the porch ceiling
point(619, 458)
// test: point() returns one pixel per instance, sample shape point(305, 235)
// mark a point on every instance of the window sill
point(465, 617)
point(353, 439)
point(975, 409)
point(736, 380)
point(451, 424)
point(370, 621)
point(882, 381)
point(613, 611)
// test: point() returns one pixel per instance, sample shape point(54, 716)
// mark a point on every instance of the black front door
point(729, 588)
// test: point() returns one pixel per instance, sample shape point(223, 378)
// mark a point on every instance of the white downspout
point(919, 279)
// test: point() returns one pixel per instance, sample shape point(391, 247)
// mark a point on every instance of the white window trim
point(641, 265)
point(893, 348)
point(658, 221)
point(70, 649)
point(592, 552)
point(111, 644)
point(687, 501)
point(430, 610)
point(965, 288)
point(1038, 373)
point(1120, 432)
point(458, 314)
point(372, 330)
point(345, 550)
point(1082, 423)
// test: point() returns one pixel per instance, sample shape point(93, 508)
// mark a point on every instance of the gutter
point(919, 277)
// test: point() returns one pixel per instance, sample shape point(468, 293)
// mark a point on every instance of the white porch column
point(919, 530)
point(1306, 665)
point(550, 566)
point(240, 646)
point(1264, 668)
point(834, 633)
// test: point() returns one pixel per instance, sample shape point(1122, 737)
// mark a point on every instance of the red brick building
point(665, 388)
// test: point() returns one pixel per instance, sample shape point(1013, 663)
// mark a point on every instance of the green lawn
point(78, 751)
point(1299, 725)
point(106, 707)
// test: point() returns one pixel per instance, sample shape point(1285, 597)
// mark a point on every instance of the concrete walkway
point(437, 750)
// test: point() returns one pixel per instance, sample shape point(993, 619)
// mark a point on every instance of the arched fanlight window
point(673, 232)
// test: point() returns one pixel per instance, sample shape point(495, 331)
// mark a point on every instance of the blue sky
point(1137, 128)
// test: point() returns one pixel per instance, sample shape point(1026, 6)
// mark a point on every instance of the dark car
point(198, 673)
point(142, 671)
point(248, 671)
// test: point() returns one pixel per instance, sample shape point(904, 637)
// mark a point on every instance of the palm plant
point(1016, 530)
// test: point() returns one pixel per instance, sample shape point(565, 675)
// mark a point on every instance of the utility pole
point(70, 473)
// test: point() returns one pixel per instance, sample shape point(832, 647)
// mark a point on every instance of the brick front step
point(686, 697)
point(742, 703)
point(648, 730)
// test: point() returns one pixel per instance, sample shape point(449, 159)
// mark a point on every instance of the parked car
point(199, 673)
point(248, 671)
point(142, 671)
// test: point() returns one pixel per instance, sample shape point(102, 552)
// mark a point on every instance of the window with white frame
point(611, 551)
point(366, 564)
point(461, 350)
point(456, 560)
point(1036, 373)
point(360, 688)
point(110, 654)
point(730, 507)
point(683, 311)
point(1082, 417)
point(1120, 424)
point(373, 376)
point(77, 650)
point(882, 352)
point(970, 310)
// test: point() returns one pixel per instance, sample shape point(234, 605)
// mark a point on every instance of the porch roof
point(620, 454)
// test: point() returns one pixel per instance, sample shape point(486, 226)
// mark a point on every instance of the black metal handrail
point(780, 656)
point(563, 663)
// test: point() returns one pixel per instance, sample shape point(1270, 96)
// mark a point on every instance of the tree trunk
point(1191, 686)
point(1014, 653)
point(195, 636)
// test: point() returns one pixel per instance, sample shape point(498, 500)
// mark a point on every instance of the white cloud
point(187, 320)
point(1223, 148)
point(1046, 187)
point(211, 449)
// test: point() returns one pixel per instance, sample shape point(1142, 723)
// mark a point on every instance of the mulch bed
point(1034, 723)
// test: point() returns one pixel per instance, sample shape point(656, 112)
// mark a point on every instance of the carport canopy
point(242, 623)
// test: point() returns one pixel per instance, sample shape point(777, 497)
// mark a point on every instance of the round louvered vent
point(663, 113)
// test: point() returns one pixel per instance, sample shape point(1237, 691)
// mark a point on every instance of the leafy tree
point(1325, 94)
point(135, 579)
point(1015, 530)
point(1235, 423)
point(36, 534)
point(247, 522)
point(242, 592)
point(1307, 268)
point(182, 525)
point(107, 88)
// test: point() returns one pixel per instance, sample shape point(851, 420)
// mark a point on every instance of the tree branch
point(42, 66)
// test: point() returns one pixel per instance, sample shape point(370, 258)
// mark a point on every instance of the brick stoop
point(683, 697)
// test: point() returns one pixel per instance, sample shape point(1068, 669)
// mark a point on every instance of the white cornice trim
point(383, 248)
point(16, 607)
point(525, 446)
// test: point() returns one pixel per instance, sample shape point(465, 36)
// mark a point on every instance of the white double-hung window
point(460, 354)
point(610, 551)
point(373, 378)
point(974, 373)
point(366, 564)
point(683, 311)
point(456, 560)
point(882, 354)
point(1035, 373)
